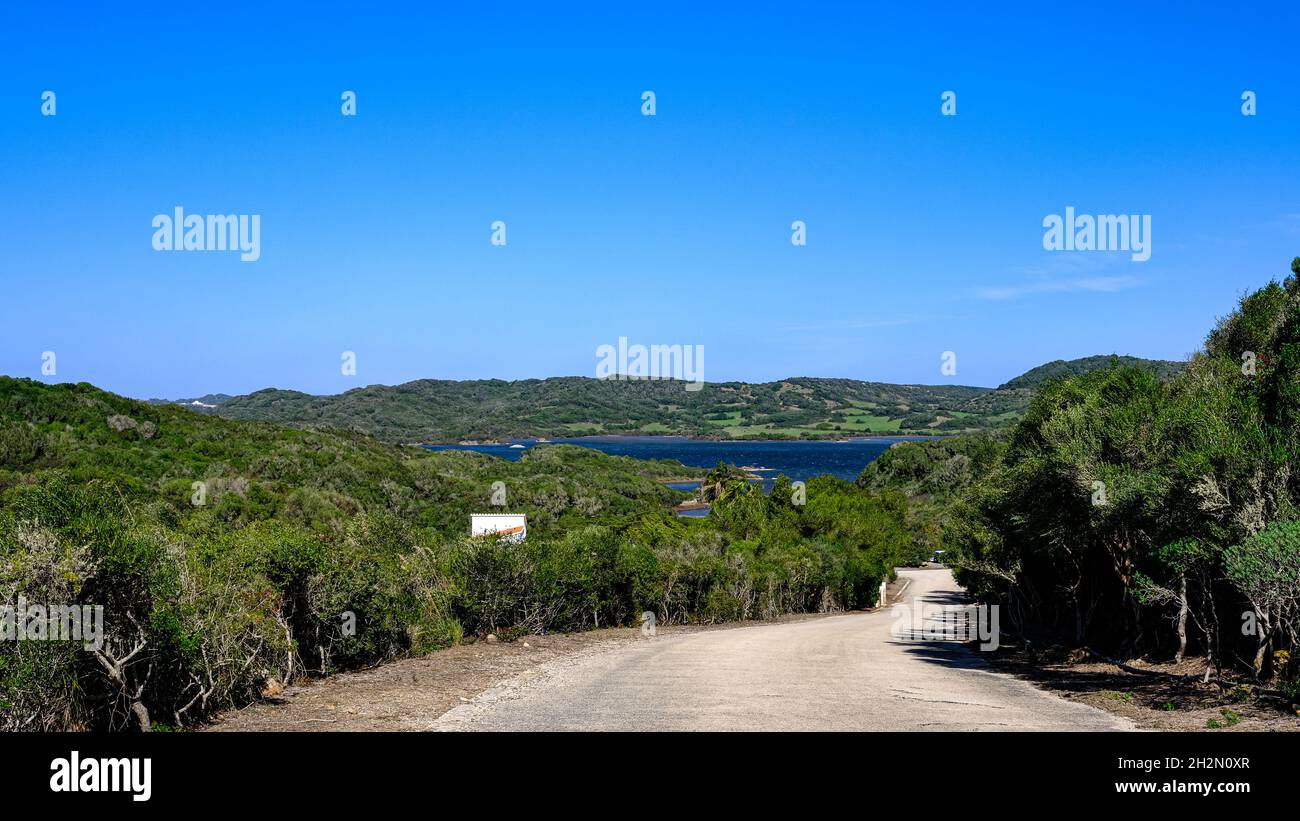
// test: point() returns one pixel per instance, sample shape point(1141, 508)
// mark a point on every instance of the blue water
point(797, 459)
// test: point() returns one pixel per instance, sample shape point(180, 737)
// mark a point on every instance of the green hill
point(1062, 369)
point(430, 410)
point(444, 411)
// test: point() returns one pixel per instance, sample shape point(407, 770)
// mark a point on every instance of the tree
point(1266, 569)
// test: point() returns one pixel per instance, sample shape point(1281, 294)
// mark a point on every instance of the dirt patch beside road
point(407, 694)
point(410, 694)
point(1176, 701)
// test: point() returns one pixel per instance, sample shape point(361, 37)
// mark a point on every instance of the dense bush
point(933, 474)
point(1152, 517)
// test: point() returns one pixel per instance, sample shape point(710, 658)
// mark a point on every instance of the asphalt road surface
point(856, 671)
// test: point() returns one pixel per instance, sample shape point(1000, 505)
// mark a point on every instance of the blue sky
point(924, 231)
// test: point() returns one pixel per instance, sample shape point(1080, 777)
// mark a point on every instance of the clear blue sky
point(924, 231)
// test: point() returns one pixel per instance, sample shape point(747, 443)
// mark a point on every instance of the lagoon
point(801, 460)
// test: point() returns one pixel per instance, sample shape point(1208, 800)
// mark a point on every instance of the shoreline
point(681, 437)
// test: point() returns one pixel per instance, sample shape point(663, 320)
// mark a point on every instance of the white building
point(511, 527)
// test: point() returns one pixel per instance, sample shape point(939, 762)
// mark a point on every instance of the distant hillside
point(1061, 369)
point(431, 410)
point(442, 411)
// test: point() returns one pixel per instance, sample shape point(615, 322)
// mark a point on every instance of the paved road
point(845, 672)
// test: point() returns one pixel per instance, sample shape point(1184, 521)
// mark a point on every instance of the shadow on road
point(947, 598)
point(946, 653)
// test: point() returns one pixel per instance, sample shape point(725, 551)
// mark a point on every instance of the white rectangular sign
point(509, 526)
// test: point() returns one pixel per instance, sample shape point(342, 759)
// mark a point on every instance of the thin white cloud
point(1058, 286)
